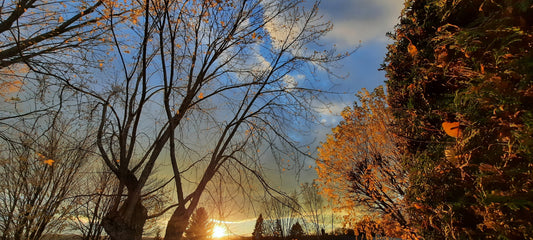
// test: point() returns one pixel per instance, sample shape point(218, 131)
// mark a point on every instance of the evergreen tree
point(200, 226)
point(460, 85)
point(258, 229)
point(278, 230)
point(296, 230)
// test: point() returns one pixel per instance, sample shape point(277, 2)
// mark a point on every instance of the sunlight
point(219, 231)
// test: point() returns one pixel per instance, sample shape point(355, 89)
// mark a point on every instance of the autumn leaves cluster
point(459, 86)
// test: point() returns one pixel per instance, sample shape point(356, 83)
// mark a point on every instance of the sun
point(219, 231)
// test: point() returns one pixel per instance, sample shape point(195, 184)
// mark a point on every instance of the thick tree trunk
point(120, 227)
point(177, 224)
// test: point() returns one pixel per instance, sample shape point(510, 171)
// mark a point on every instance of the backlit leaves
point(412, 50)
point(358, 165)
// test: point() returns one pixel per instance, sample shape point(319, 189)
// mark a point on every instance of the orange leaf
point(412, 50)
point(201, 95)
point(49, 162)
point(452, 129)
point(418, 206)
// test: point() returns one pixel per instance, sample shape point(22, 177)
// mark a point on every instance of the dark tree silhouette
point(278, 230)
point(296, 231)
point(258, 229)
point(200, 226)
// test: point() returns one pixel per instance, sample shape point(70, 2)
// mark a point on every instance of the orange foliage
point(358, 164)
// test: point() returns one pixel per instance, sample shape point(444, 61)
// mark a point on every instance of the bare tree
point(202, 84)
point(282, 213)
point(96, 194)
point(38, 175)
point(313, 206)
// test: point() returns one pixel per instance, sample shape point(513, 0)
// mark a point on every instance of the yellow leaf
point(452, 129)
point(48, 161)
point(412, 50)
point(60, 19)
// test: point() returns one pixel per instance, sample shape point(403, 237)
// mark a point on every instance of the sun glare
point(219, 231)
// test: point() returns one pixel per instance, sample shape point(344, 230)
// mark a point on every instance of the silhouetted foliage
point(200, 226)
point(296, 231)
point(460, 85)
point(278, 230)
point(259, 228)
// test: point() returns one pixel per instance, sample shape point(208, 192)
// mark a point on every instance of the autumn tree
point(34, 32)
point(200, 226)
point(460, 84)
point(359, 165)
point(41, 37)
point(199, 86)
point(39, 172)
point(40, 40)
point(258, 228)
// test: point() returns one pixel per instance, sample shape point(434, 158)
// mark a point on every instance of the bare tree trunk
point(119, 228)
point(127, 223)
point(177, 224)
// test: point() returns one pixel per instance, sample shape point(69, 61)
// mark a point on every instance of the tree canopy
point(359, 165)
point(460, 83)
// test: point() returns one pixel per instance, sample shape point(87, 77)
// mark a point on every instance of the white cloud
point(360, 20)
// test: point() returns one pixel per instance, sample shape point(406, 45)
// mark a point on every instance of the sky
point(363, 24)
point(360, 24)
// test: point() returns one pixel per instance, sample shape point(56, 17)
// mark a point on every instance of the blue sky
point(357, 23)
point(362, 23)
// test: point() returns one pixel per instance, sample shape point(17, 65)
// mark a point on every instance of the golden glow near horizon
point(219, 231)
